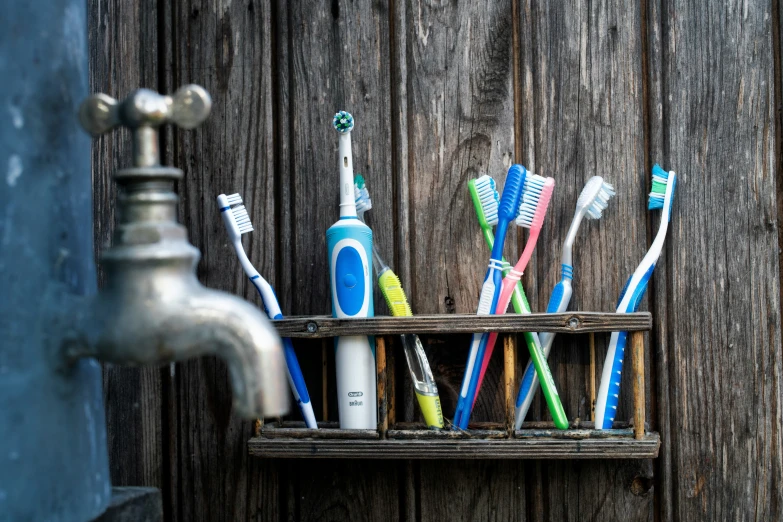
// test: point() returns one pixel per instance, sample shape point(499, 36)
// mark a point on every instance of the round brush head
point(343, 122)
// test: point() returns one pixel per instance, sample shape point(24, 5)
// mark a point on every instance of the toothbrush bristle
point(601, 201)
point(242, 219)
point(234, 199)
point(488, 197)
point(343, 122)
point(531, 199)
point(658, 192)
point(362, 199)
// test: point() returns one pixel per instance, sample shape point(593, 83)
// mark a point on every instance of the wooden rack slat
point(568, 322)
point(543, 447)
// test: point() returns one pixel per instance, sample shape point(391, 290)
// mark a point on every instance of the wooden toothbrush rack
point(536, 440)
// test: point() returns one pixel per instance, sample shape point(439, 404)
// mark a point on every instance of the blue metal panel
point(53, 459)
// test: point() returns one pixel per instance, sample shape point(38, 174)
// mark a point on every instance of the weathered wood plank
point(626, 447)
point(227, 48)
point(570, 322)
point(582, 104)
point(122, 41)
point(331, 55)
point(454, 87)
point(722, 275)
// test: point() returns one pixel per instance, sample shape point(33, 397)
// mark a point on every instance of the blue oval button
point(350, 294)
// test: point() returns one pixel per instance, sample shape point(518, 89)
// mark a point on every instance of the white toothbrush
point(237, 222)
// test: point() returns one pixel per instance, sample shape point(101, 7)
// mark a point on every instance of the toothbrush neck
point(500, 237)
point(568, 245)
point(347, 201)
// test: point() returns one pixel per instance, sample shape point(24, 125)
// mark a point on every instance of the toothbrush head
point(512, 192)
point(235, 215)
point(595, 197)
point(661, 195)
point(343, 122)
point(485, 199)
point(361, 195)
point(535, 201)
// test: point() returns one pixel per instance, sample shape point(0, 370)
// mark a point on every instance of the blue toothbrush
point(490, 290)
point(237, 222)
point(661, 197)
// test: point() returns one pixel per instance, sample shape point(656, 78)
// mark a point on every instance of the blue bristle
point(512, 191)
point(657, 195)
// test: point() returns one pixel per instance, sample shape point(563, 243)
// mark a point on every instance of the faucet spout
point(154, 322)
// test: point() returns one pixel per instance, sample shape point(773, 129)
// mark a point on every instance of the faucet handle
point(143, 111)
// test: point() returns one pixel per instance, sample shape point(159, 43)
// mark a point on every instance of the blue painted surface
point(53, 458)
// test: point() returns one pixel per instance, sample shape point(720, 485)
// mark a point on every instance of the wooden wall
point(443, 91)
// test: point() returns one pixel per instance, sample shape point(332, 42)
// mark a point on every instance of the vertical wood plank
point(454, 90)
point(332, 55)
point(123, 56)
point(582, 104)
point(718, 133)
point(227, 48)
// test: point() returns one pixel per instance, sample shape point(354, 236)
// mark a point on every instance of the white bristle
point(600, 202)
point(362, 199)
point(242, 218)
point(489, 198)
point(531, 194)
point(234, 199)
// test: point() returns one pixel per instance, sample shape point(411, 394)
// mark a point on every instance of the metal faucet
point(152, 309)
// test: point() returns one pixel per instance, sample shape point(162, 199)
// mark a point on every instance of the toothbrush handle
point(536, 356)
point(293, 370)
point(534, 346)
point(609, 391)
point(296, 380)
point(487, 303)
point(558, 302)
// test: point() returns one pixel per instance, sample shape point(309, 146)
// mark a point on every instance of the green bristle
point(359, 180)
point(658, 187)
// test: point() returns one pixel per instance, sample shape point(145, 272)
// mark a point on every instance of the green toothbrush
point(485, 200)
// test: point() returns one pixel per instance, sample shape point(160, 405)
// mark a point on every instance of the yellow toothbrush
point(423, 382)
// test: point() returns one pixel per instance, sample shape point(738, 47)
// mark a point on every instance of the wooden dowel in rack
point(383, 412)
point(509, 358)
point(324, 380)
point(391, 391)
point(592, 376)
point(637, 358)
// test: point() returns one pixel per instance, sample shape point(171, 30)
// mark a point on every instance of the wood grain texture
point(454, 87)
point(331, 55)
point(123, 57)
point(227, 48)
point(445, 498)
point(582, 104)
point(723, 334)
point(570, 323)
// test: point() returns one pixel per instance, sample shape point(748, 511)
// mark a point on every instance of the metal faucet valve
point(142, 112)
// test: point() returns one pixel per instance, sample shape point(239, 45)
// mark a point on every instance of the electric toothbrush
point(349, 243)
